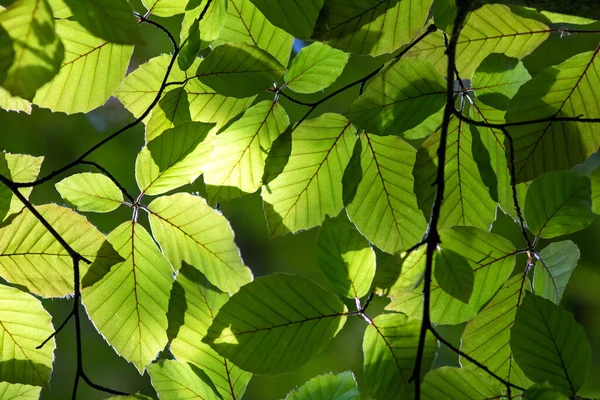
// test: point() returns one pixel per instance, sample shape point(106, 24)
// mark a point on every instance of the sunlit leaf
point(315, 68)
point(398, 98)
point(13, 103)
point(30, 51)
point(173, 159)
point(467, 200)
point(190, 231)
point(390, 350)
point(177, 380)
point(449, 383)
point(276, 324)
point(553, 269)
point(31, 257)
point(90, 73)
point(90, 192)
point(557, 204)
point(454, 274)
point(165, 8)
point(17, 391)
point(400, 273)
point(190, 47)
point(211, 24)
point(345, 258)
point(18, 168)
point(173, 109)
point(327, 387)
point(297, 17)
point(24, 324)
point(111, 20)
point(549, 345)
point(129, 304)
point(239, 70)
point(564, 90)
point(193, 305)
point(371, 27)
point(310, 185)
point(60, 9)
point(543, 391)
point(378, 193)
point(238, 161)
point(486, 337)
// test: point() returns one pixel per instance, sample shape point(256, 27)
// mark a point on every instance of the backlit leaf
point(449, 383)
point(17, 391)
point(327, 387)
point(595, 178)
point(543, 391)
point(400, 273)
point(13, 103)
point(177, 380)
point(454, 274)
point(297, 17)
point(276, 324)
point(165, 8)
point(190, 48)
point(553, 269)
point(90, 192)
point(211, 24)
point(172, 109)
point(18, 168)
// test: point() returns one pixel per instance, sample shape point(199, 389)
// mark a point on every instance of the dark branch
point(144, 19)
point(56, 331)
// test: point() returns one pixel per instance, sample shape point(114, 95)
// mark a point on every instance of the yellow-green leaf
point(90, 192)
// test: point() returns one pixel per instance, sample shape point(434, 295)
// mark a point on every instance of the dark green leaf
point(190, 48)
point(454, 275)
point(327, 387)
point(553, 269)
point(543, 391)
point(449, 383)
point(298, 17)
point(177, 380)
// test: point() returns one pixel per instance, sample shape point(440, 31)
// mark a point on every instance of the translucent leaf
point(240, 151)
point(553, 269)
point(543, 391)
point(341, 386)
point(371, 27)
point(177, 380)
point(398, 98)
point(30, 51)
point(492, 28)
point(13, 103)
point(564, 90)
point(60, 9)
point(111, 20)
point(173, 109)
point(18, 168)
point(454, 274)
point(467, 200)
point(276, 324)
point(246, 24)
point(400, 273)
point(390, 349)
point(549, 345)
point(190, 48)
point(173, 159)
point(193, 305)
point(315, 68)
point(24, 324)
point(211, 23)
point(297, 17)
point(188, 230)
point(129, 304)
point(239, 70)
point(90, 73)
point(345, 258)
point(492, 259)
point(32, 258)
point(22, 392)
point(90, 192)
point(486, 337)
point(165, 8)
point(449, 383)
point(378, 193)
point(557, 204)
point(595, 178)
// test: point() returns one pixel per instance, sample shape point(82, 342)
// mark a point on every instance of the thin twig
point(144, 19)
point(56, 331)
point(112, 178)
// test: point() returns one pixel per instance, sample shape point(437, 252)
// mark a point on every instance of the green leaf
point(557, 204)
point(549, 345)
point(564, 90)
point(246, 24)
point(189, 230)
point(13, 103)
point(32, 258)
point(341, 386)
point(553, 269)
point(492, 259)
point(60, 9)
point(173, 159)
point(211, 23)
point(129, 304)
point(467, 200)
point(239, 70)
point(30, 51)
point(18, 168)
point(136, 396)
point(238, 160)
point(398, 98)
point(492, 28)
point(111, 20)
point(189, 50)
point(90, 192)
point(173, 109)
point(345, 258)
point(378, 193)
point(454, 274)
point(390, 349)
point(193, 305)
point(24, 324)
point(296, 17)
point(90, 73)
point(595, 179)
point(486, 337)
point(177, 380)
point(315, 68)
point(449, 383)
point(543, 391)
point(22, 392)
point(400, 272)
point(309, 187)
point(372, 27)
point(444, 12)
point(165, 8)
point(276, 324)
